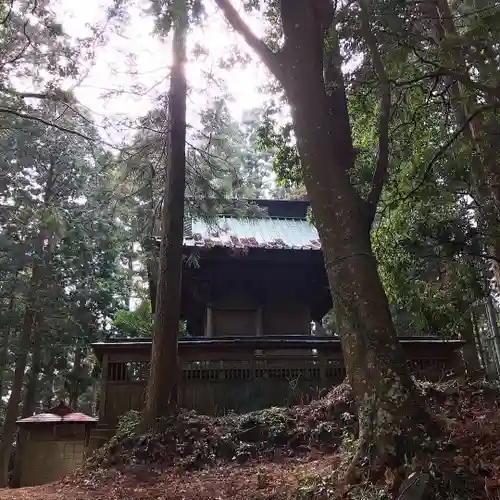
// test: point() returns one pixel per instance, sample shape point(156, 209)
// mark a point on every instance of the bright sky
point(136, 57)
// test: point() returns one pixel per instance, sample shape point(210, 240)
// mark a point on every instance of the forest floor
point(288, 454)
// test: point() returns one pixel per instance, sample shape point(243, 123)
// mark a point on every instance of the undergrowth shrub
point(128, 424)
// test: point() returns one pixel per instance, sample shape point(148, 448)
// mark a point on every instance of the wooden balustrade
point(221, 375)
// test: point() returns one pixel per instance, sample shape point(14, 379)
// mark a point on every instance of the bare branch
point(270, 59)
point(380, 173)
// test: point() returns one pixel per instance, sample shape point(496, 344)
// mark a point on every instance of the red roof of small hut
point(60, 413)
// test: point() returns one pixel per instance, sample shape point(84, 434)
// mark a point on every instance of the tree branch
point(441, 151)
point(270, 59)
point(382, 167)
point(465, 79)
point(46, 122)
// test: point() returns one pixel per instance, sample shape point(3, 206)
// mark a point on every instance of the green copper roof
point(244, 232)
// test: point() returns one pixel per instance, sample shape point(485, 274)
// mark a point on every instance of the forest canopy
point(383, 114)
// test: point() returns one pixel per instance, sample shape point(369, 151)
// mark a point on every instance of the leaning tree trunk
point(391, 411)
point(161, 395)
point(389, 408)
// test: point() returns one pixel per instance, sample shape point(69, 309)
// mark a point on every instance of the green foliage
point(166, 12)
point(428, 280)
point(227, 157)
point(424, 235)
point(128, 424)
point(56, 217)
point(137, 323)
point(281, 140)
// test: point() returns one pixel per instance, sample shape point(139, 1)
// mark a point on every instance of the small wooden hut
point(55, 442)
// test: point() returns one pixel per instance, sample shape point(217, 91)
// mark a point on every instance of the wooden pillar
point(259, 321)
point(104, 388)
point(209, 328)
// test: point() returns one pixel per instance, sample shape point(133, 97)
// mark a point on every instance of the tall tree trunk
point(494, 333)
point(30, 397)
point(48, 397)
point(4, 347)
point(161, 395)
point(391, 411)
point(470, 353)
point(477, 338)
point(76, 374)
point(131, 274)
point(152, 257)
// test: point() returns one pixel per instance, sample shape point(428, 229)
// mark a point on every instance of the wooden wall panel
point(286, 320)
point(242, 380)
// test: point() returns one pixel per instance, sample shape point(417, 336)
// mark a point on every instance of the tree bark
point(390, 409)
point(161, 398)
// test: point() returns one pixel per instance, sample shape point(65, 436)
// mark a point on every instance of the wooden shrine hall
point(252, 286)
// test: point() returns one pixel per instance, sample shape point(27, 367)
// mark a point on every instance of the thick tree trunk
point(391, 412)
point(30, 398)
point(161, 395)
point(390, 409)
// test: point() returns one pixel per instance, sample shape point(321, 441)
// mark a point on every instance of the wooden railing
point(219, 375)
